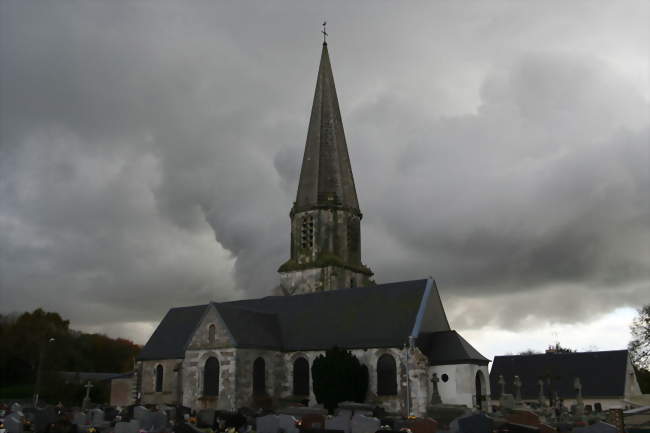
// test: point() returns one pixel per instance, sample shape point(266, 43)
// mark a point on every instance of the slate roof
point(448, 347)
point(172, 335)
point(602, 374)
point(326, 175)
point(362, 317)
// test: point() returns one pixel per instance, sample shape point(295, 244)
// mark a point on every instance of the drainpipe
point(407, 402)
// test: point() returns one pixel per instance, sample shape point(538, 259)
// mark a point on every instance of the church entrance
point(480, 391)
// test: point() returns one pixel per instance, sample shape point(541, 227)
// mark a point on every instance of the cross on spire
point(324, 32)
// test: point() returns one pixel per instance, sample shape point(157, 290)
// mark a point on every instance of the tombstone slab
point(422, 425)
point(599, 427)
point(267, 424)
point(14, 423)
point(122, 427)
point(364, 424)
point(339, 422)
point(80, 418)
point(474, 423)
point(287, 423)
point(313, 422)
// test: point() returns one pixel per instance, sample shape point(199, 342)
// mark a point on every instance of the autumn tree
point(640, 345)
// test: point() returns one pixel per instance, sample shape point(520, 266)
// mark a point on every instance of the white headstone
point(267, 424)
point(287, 423)
point(338, 422)
point(364, 424)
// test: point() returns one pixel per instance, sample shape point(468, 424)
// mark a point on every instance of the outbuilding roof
point(602, 374)
point(364, 317)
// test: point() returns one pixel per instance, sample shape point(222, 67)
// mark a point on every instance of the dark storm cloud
point(150, 152)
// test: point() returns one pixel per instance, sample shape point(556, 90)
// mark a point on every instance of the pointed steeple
point(326, 176)
point(325, 218)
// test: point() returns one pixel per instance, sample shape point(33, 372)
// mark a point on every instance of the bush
point(339, 376)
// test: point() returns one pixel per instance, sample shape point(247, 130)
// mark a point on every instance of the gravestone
point(435, 394)
point(96, 417)
point(416, 425)
point(364, 424)
point(40, 418)
point(122, 427)
point(287, 423)
point(158, 421)
point(313, 421)
point(356, 408)
point(343, 412)
point(517, 428)
point(144, 416)
point(16, 407)
point(134, 426)
point(338, 422)
point(599, 427)
point(206, 418)
point(267, 424)
point(80, 419)
point(110, 413)
point(14, 423)
point(444, 414)
point(139, 413)
point(474, 423)
point(598, 407)
point(524, 417)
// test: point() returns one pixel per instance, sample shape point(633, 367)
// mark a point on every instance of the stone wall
point(122, 391)
point(170, 388)
point(199, 350)
point(460, 386)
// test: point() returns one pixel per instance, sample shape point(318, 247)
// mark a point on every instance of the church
point(259, 352)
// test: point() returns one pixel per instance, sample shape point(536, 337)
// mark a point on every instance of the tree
point(639, 347)
point(559, 349)
point(339, 376)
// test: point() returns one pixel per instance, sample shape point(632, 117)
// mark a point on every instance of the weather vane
point(324, 32)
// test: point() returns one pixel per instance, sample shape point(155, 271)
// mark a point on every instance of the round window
point(444, 377)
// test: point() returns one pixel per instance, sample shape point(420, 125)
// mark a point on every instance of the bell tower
point(325, 218)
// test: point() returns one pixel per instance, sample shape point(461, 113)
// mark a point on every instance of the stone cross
point(86, 401)
point(517, 384)
point(435, 395)
point(502, 382)
point(580, 405)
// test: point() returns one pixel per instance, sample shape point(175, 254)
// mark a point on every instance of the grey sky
point(150, 151)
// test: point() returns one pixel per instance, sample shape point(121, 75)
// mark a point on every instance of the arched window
point(211, 332)
point(480, 390)
point(386, 375)
point(300, 377)
point(159, 378)
point(259, 377)
point(211, 377)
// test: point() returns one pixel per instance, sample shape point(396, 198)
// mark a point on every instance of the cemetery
point(510, 414)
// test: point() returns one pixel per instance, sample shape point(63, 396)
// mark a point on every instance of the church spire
point(326, 175)
point(325, 218)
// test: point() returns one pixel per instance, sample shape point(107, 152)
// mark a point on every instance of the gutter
point(423, 306)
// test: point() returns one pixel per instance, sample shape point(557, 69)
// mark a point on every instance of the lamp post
point(39, 371)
